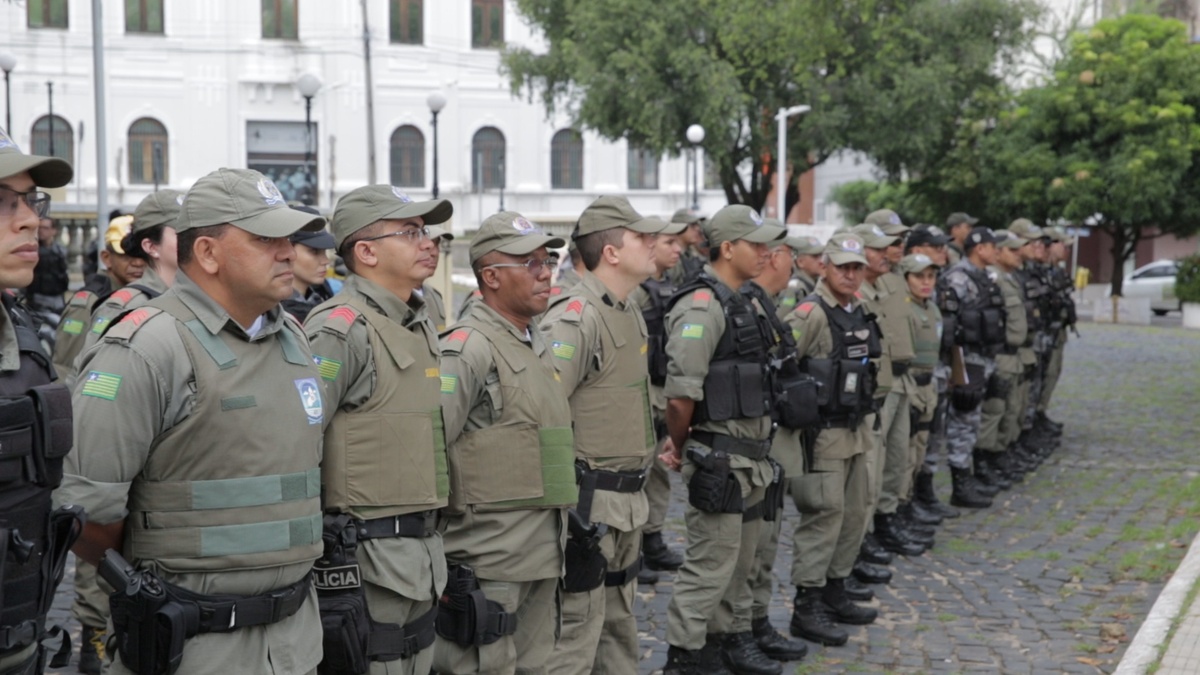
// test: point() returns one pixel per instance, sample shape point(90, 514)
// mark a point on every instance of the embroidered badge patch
point(310, 399)
point(692, 331)
point(563, 350)
point(102, 385)
point(72, 327)
point(449, 384)
point(99, 324)
point(431, 372)
point(328, 368)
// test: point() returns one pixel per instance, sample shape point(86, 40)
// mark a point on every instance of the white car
point(1155, 281)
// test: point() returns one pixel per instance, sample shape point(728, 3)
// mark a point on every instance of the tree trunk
point(1125, 240)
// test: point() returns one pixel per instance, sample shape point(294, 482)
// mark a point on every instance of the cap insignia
point(270, 194)
point(401, 195)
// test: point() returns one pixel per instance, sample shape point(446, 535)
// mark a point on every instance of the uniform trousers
point(1053, 370)
point(962, 428)
point(893, 434)
point(91, 598)
point(923, 403)
point(536, 605)
point(658, 493)
point(834, 503)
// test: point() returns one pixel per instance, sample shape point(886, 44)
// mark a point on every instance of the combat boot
point(985, 490)
point(743, 656)
point(870, 551)
point(1041, 420)
point(984, 473)
point(871, 574)
point(845, 611)
point(891, 538)
point(1029, 459)
point(917, 513)
point(1009, 466)
point(812, 620)
point(857, 590)
point(656, 555)
point(705, 661)
point(647, 577)
point(927, 496)
point(775, 645)
point(965, 494)
point(91, 650)
point(922, 534)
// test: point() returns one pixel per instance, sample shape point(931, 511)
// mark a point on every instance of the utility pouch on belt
point(798, 400)
point(773, 501)
point(713, 487)
point(824, 371)
point(465, 616)
point(854, 381)
point(997, 387)
point(585, 563)
point(966, 397)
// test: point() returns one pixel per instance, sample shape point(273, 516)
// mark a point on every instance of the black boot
point(924, 493)
point(742, 655)
point(922, 514)
point(706, 661)
point(891, 538)
point(985, 490)
point(1029, 460)
point(812, 619)
point(91, 650)
point(774, 645)
point(857, 590)
point(965, 494)
point(922, 534)
point(1041, 420)
point(656, 555)
point(1009, 467)
point(872, 552)
point(871, 574)
point(845, 611)
point(647, 577)
point(984, 472)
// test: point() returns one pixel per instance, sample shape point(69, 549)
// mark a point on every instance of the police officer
point(151, 239)
point(34, 540)
point(599, 340)
point(889, 221)
point(201, 462)
point(435, 304)
point(719, 401)
point(511, 452)
point(695, 247)
point(1037, 281)
point(1061, 286)
point(836, 341)
point(377, 352)
point(927, 240)
point(958, 227)
point(310, 287)
point(806, 256)
point(652, 296)
point(973, 305)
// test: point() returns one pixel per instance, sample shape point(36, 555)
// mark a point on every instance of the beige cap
point(805, 245)
point(1007, 239)
point(686, 216)
point(845, 248)
point(509, 232)
point(48, 172)
point(246, 199)
point(436, 233)
point(888, 221)
point(370, 204)
point(916, 262)
point(158, 208)
point(738, 221)
point(873, 236)
point(1024, 228)
point(610, 212)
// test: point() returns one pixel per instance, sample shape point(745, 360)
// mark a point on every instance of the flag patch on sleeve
point(72, 326)
point(692, 331)
point(328, 368)
point(563, 350)
point(102, 385)
point(449, 384)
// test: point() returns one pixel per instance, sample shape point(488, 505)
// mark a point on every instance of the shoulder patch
point(131, 322)
point(858, 294)
point(455, 341)
point(340, 320)
point(805, 308)
point(701, 298)
point(81, 298)
point(122, 297)
point(574, 311)
point(556, 290)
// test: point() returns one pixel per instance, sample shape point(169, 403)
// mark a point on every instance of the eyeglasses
point(36, 200)
point(414, 234)
point(533, 265)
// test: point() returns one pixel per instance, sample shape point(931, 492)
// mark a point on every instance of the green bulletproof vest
point(614, 428)
point(526, 459)
point(387, 457)
point(926, 331)
point(1016, 323)
point(235, 485)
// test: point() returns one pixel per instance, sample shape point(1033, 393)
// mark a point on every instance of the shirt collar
point(214, 317)
point(480, 311)
point(386, 302)
point(824, 292)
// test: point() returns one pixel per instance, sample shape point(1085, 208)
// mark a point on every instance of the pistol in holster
point(150, 628)
point(713, 487)
point(586, 564)
point(465, 615)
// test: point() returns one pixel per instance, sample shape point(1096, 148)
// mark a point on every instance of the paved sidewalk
point(1169, 640)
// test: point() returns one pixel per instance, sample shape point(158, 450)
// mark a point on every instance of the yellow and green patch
point(563, 350)
point(102, 385)
point(449, 384)
point(72, 326)
point(99, 324)
point(328, 368)
point(692, 331)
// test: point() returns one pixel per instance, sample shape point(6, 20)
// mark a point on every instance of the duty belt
point(420, 525)
point(590, 480)
point(225, 613)
point(391, 641)
point(20, 635)
point(923, 379)
point(622, 577)
point(746, 447)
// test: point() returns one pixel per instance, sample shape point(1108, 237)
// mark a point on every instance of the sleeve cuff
point(104, 502)
point(684, 387)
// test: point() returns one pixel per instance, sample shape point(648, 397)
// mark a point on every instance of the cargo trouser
point(995, 409)
point(91, 596)
point(832, 500)
point(924, 401)
point(936, 448)
point(658, 493)
point(599, 630)
point(894, 434)
point(716, 568)
point(526, 651)
point(785, 449)
point(1053, 370)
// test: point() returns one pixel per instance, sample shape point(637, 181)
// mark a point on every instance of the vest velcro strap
point(225, 613)
point(746, 447)
point(226, 493)
point(420, 525)
point(224, 540)
point(754, 512)
point(624, 576)
point(220, 352)
point(390, 641)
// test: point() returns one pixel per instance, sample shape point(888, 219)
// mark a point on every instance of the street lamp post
point(50, 117)
point(436, 101)
point(7, 63)
point(308, 85)
point(695, 136)
point(780, 181)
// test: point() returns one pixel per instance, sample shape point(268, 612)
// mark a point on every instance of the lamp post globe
point(308, 85)
point(436, 101)
point(695, 136)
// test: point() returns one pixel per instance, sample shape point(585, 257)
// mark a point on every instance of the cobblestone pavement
point(1058, 574)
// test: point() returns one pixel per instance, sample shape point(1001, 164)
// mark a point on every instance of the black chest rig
point(660, 292)
point(979, 323)
point(739, 383)
point(35, 436)
point(848, 376)
point(1033, 293)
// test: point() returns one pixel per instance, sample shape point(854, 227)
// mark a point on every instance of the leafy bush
point(1187, 280)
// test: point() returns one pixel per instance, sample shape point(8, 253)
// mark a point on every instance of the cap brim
point(280, 222)
point(895, 230)
point(436, 233)
point(647, 226)
point(50, 172)
point(317, 240)
point(845, 258)
point(433, 212)
point(528, 244)
point(882, 242)
point(765, 234)
point(675, 228)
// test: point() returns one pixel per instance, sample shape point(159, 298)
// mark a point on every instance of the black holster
point(713, 487)
point(773, 501)
point(465, 616)
point(586, 565)
point(967, 397)
point(150, 628)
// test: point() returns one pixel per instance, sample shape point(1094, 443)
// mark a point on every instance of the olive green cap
point(158, 208)
point(509, 232)
point(48, 172)
point(1008, 239)
point(436, 233)
point(888, 221)
point(686, 216)
point(1025, 229)
point(958, 218)
point(915, 262)
point(1059, 234)
point(245, 199)
point(845, 248)
point(370, 204)
point(610, 212)
point(738, 221)
point(805, 245)
point(873, 236)
point(672, 228)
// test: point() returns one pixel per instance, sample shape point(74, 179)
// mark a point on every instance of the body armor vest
point(387, 457)
point(1033, 293)
point(660, 292)
point(926, 334)
point(525, 459)
point(224, 490)
point(847, 376)
point(738, 384)
point(35, 436)
point(979, 321)
point(1016, 309)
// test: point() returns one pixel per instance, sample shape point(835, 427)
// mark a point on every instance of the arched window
point(148, 152)
point(487, 159)
point(408, 157)
point(59, 143)
point(643, 169)
point(566, 160)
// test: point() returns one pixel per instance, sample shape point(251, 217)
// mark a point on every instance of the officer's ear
point(205, 253)
point(727, 250)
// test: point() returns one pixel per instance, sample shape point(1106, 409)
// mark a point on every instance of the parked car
point(1155, 281)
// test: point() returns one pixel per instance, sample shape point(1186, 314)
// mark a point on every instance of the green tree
point(886, 77)
point(1111, 140)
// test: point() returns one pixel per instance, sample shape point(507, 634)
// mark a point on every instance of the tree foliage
point(889, 78)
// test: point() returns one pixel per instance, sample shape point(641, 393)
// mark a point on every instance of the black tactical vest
point(739, 383)
point(1032, 295)
point(660, 292)
point(35, 436)
point(979, 322)
point(847, 376)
